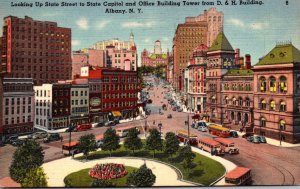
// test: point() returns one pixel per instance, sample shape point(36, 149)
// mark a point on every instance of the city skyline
point(253, 28)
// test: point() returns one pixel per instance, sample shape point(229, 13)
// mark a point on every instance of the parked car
point(161, 113)
point(110, 123)
point(52, 137)
point(17, 142)
point(149, 101)
point(10, 139)
point(70, 129)
point(254, 139)
point(100, 124)
point(39, 135)
point(179, 109)
point(234, 134)
point(169, 116)
point(246, 135)
point(262, 139)
point(174, 108)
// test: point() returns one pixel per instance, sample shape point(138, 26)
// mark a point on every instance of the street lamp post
point(280, 137)
point(188, 124)
point(70, 131)
point(160, 126)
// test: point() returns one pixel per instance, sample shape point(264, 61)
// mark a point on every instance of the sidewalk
point(69, 165)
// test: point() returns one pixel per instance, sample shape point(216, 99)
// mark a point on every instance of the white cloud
point(138, 24)
point(236, 22)
point(258, 25)
point(75, 42)
point(83, 23)
point(165, 39)
point(147, 40)
point(103, 24)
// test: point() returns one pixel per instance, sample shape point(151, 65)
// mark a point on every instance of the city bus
point(183, 137)
point(218, 130)
point(83, 127)
point(227, 145)
point(240, 176)
point(210, 146)
point(70, 148)
point(123, 131)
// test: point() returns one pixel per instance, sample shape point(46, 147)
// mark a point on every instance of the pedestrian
point(73, 154)
point(154, 122)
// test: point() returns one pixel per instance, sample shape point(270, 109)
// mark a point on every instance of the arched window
point(272, 105)
point(263, 104)
point(282, 125)
point(240, 101)
point(226, 99)
point(213, 99)
point(283, 85)
point(232, 115)
point(262, 84)
point(233, 101)
point(282, 106)
point(263, 122)
point(241, 87)
point(247, 102)
point(272, 84)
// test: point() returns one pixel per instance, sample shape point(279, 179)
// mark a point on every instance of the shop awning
point(116, 113)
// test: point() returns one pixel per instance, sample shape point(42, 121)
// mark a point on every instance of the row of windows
point(122, 95)
point(124, 55)
point(116, 79)
point(272, 85)
point(237, 102)
point(281, 123)
point(12, 120)
point(75, 93)
point(237, 87)
point(42, 112)
point(80, 110)
point(18, 110)
point(80, 102)
point(118, 104)
point(23, 87)
point(18, 101)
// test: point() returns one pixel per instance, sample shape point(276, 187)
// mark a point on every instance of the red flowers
point(108, 171)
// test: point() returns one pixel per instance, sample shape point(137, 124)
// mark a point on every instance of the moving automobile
point(10, 139)
point(169, 116)
point(52, 137)
point(199, 124)
point(239, 176)
point(17, 142)
point(99, 140)
point(70, 148)
point(202, 128)
point(83, 127)
point(246, 135)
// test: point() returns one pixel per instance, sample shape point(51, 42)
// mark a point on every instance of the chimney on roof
point(247, 61)
point(237, 56)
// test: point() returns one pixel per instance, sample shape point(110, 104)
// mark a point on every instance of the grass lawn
point(82, 178)
point(205, 172)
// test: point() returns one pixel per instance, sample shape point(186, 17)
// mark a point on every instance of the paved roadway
point(270, 165)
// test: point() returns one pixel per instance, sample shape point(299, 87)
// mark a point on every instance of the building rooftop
point(154, 56)
point(221, 43)
point(239, 72)
point(281, 54)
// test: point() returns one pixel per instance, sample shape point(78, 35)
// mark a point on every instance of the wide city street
point(270, 165)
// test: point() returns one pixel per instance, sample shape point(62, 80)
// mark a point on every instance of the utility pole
point(188, 123)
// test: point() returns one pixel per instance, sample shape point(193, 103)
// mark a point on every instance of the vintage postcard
point(142, 93)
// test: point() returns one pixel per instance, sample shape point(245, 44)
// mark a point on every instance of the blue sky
point(252, 28)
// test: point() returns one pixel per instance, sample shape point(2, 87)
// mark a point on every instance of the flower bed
point(108, 171)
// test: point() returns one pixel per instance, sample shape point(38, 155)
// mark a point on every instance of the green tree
point(110, 141)
point(188, 157)
point(133, 142)
point(153, 141)
point(87, 144)
point(142, 177)
point(102, 183)
point(28, 156)
point(34, 178)
point(171, 144)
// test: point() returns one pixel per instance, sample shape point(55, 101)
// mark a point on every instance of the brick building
point(125, 59)
point(36, 49)
point(18, 106)
point(277, 94)
point(52, 106)
point(196, 82)
point(113, 92)
point(202, 29)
